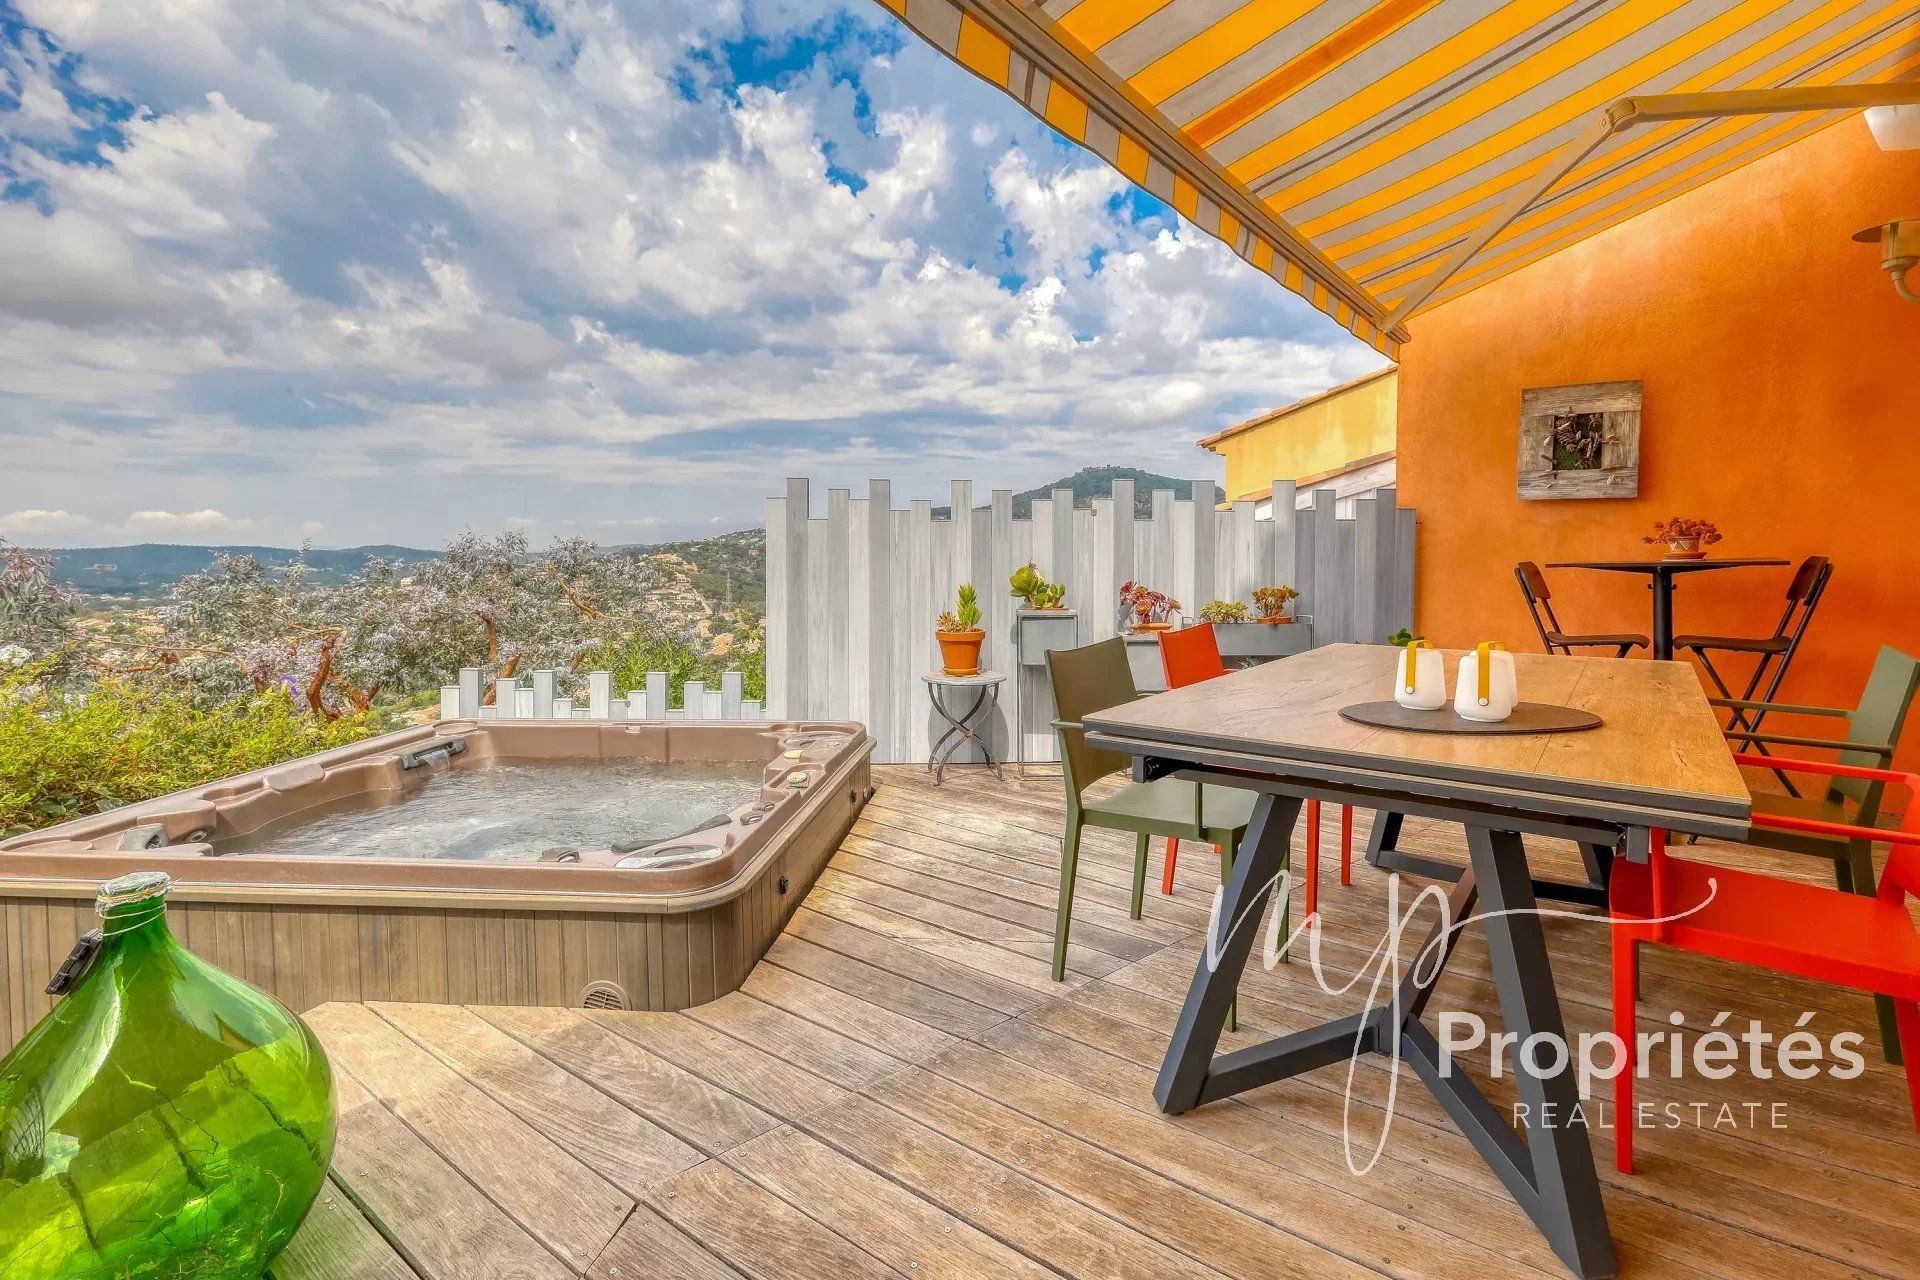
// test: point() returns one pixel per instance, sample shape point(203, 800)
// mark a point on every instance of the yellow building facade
point(1347, 431)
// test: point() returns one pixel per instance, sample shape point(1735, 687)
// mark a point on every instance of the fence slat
point(852, 598)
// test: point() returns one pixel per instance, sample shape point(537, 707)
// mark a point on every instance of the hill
point(145, 571)
point(1089, 483)
point(729, 571)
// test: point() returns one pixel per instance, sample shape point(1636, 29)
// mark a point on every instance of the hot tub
point(642, 864)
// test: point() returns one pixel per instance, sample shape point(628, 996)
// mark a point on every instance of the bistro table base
point(1547, 1167)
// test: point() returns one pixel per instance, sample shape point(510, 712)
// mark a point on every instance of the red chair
point(1192, 654)
point(1868, 943)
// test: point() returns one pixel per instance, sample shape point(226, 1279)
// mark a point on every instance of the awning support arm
point(1648, 109)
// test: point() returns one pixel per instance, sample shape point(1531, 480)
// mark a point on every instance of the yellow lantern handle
point(1485, 684)
point(1411, 666)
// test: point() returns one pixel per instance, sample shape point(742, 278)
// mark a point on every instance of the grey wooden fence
point(852, 593)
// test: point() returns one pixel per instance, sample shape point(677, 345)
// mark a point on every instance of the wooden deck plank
point(337, 1240)
point(845, 1061)
point(679, 1101)
point(444, 1226)
point(890, 1222)
point(759, 1233)
point(884, 951)
point(896, 1035)
point(623, 1146)
point(560, 1201)
point(1112, 1184)
point(1332, 1212)
point(734, 1065)
point(1000, 1199)
point(649, 1247)
point(1025, 882)
point(900, 1089)
point(951, 1014)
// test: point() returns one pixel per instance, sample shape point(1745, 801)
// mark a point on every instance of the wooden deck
point(900, 1090)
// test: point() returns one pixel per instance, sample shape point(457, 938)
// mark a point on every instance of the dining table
point(1657, 761)
point(1660, 576)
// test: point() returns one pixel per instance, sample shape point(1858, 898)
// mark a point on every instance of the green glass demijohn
point(165, 1120)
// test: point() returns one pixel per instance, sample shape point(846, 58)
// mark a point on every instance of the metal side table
point(943, 691)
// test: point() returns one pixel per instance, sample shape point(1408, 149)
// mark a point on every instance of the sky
point(381, 270)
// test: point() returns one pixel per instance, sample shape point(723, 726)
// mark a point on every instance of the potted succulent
point(1028, 584)
point(958, 631)
point(1684, 539)
point(1272, 603)
point(1223, 612)
point(1146, 609)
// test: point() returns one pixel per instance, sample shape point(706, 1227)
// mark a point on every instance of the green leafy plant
point(969, 607)
point(1402, 638)
point(1218, 611)
point(65, 754)
point(1272, 602)
point(1028, 584)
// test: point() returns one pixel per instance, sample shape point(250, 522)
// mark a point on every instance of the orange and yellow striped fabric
point(1372, 137)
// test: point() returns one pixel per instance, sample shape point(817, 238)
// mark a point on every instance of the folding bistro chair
point(1774, 653)
point(1850, 799)
point(1533, 585)
point(1093, 678)
point(1868, 943)
point(1192, 654)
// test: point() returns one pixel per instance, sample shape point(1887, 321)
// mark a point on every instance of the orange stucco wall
point(1782, 401)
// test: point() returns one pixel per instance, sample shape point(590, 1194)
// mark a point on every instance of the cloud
point(33, 521)
point(397, 268)
point(204, 521)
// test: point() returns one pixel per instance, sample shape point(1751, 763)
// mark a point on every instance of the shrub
point(1217, 611)
point(63, 755)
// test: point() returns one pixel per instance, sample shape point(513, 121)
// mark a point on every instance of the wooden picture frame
point(1580, 441)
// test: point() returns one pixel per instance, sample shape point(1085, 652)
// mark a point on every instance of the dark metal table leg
point(1262, 853)
point(1662, 615)
point(1547, 1164)
point(1553, 1176)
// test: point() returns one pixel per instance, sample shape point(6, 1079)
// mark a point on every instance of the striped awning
point(1362, 151)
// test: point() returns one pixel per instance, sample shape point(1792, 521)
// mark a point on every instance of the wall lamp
point(1899, 242)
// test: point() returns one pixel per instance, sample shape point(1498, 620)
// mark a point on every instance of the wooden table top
point(1660, 743)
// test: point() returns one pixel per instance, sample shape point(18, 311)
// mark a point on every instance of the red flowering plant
point(1142, 605)
point(1680, 529)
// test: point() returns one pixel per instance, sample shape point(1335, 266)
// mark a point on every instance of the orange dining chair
point(1867, 943)
point(1192, 654)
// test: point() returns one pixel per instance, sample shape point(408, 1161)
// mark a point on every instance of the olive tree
point(37, 612)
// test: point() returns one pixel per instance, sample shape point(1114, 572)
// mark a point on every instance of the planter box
point(1143, 656)
point(1263, 640)
point(1038, 630)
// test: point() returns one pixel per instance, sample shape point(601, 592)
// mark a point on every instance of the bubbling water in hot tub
point(512, 811)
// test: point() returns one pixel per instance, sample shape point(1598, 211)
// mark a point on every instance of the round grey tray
point(1527, 717)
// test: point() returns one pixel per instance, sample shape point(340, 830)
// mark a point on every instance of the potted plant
point(1684, 539)
point(958, 631)
point(1272, 602)
point(1028, 584)
point(1146, 609)
point(1223, 612)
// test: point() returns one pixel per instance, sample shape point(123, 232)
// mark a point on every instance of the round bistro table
point(944, 692)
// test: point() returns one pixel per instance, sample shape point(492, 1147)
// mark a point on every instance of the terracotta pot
point(960, 651)
point(1274, 622)
point(1147, 628)
point(1685, 549)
